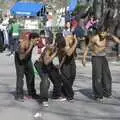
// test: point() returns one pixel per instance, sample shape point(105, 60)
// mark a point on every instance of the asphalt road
point(82, 108)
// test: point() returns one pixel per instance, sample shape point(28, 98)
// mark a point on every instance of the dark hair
point(66, 24)
point(42, 32)
point(100, 26)
point(33, 35)
point(87, 40)
point(28, 35)
point(60, 41)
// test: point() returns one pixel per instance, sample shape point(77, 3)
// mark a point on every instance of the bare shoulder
point(94, 38)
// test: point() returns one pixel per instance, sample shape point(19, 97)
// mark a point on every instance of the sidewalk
point(82, 108)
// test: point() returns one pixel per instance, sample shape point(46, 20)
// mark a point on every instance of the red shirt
point(41, 45)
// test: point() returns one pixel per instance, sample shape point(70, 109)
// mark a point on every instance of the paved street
point(82, 108)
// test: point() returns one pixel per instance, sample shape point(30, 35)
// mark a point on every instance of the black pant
point(55, 77)
point(14, 43)
point(44, 84)
point(24, 68)
point(68, 73)
point(101, 77)
point(1, 41)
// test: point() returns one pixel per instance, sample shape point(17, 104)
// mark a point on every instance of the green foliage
point(79, 8)
point(68, 1)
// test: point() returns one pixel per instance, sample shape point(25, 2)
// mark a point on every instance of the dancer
point(42, 69)
point(67, 65)
point(101, 76)
point(23, 65)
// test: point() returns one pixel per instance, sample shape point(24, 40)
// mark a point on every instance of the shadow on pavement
point(87, 92)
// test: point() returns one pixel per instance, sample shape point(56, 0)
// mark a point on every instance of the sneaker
point(45, 104)
point(100, 100)
point(27, 97)
point(70, 98)
point(110, 96)
point(37, 115)
point(35, 96)
point(61, 99)
point(20, 99)
point(9, 54)
point(107, 97)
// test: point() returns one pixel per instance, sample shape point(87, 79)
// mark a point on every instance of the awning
point(72, 5)
point(27, 9)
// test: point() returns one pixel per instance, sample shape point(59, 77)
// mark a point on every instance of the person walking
point(15, 33)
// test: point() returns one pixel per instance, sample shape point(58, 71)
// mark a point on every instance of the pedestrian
point(67, 30)
point(14, 33)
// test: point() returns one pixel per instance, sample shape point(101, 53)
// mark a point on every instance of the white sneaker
point(61, 99)
point(38, 114)
point(45, 104)
point(99, 100)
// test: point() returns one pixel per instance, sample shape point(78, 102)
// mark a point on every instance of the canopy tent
point(72, 5)
point(27, 9)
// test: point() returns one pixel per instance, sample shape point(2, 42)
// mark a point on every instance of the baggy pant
point(55, 78)
point(101, 77)
point(44, 84)
point(24, 68)
point(68, 73)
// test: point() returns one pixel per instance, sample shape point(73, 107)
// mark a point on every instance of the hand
point(84, 62)
point(108, 34)
point(33, 42)
point(59, 71)
point(55, 50)
point(58, 67)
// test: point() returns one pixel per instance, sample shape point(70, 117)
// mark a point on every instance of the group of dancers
point(63, 75)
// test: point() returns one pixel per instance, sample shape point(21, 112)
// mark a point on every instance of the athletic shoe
point(20, 99)
point(37, 115)
point(100, 100)
point(35, 96)
point(27, 97)
point(45, 104)
point(61, 99)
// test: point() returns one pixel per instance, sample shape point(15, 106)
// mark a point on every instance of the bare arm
point(70, 51)
point(31, 46)
point(84, 55)
point(48, 58)
point(115, 39)
point(23, 52)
